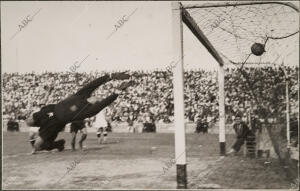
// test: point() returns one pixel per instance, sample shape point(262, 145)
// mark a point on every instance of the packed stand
point(151, 98)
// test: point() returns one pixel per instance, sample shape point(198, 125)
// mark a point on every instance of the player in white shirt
point(101, 126)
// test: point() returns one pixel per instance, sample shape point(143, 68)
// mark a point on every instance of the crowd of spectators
point(151, 98)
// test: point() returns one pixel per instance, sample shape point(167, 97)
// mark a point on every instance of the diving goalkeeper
point(52, 118)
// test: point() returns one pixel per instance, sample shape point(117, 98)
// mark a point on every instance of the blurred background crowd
point(151, 98)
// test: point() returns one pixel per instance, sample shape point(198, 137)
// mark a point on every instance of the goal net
point(232, 28)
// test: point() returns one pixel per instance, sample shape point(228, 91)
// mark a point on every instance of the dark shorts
point(76, 126)
point(50, 129)
point(75, 129)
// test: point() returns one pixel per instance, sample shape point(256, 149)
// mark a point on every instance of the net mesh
point(232, 30)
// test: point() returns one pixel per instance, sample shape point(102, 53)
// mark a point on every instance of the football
point(258, 49)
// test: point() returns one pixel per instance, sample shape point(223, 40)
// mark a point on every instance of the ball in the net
point(257, 49)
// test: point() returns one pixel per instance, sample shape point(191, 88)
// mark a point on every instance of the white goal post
point(178, 89)
point(179, 16)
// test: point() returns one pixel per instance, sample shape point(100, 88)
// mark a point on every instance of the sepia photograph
point(150, 95)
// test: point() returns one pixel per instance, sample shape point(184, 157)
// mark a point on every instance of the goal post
point(178, 89)
point(222, 122)
point(192, 25)
point(179, 16)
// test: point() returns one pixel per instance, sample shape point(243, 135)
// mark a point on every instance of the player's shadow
point(111, 142)
point(86, 149)
point(95, 148)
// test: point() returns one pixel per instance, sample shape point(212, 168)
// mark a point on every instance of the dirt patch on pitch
point(101, 174)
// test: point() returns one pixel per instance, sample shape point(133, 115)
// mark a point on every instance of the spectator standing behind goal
point(101, 126)
point(202, 124)
point(242, 131)
point(130, 122)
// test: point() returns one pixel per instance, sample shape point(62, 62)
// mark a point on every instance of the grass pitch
point(133, 161)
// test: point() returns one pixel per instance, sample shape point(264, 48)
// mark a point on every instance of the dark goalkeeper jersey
point(41, 117)
point(74, 106)
point(68, 109)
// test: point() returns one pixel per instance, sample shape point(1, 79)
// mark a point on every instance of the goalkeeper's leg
point(48, 145)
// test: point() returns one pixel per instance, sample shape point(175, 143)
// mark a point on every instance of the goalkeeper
point(75, 107)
